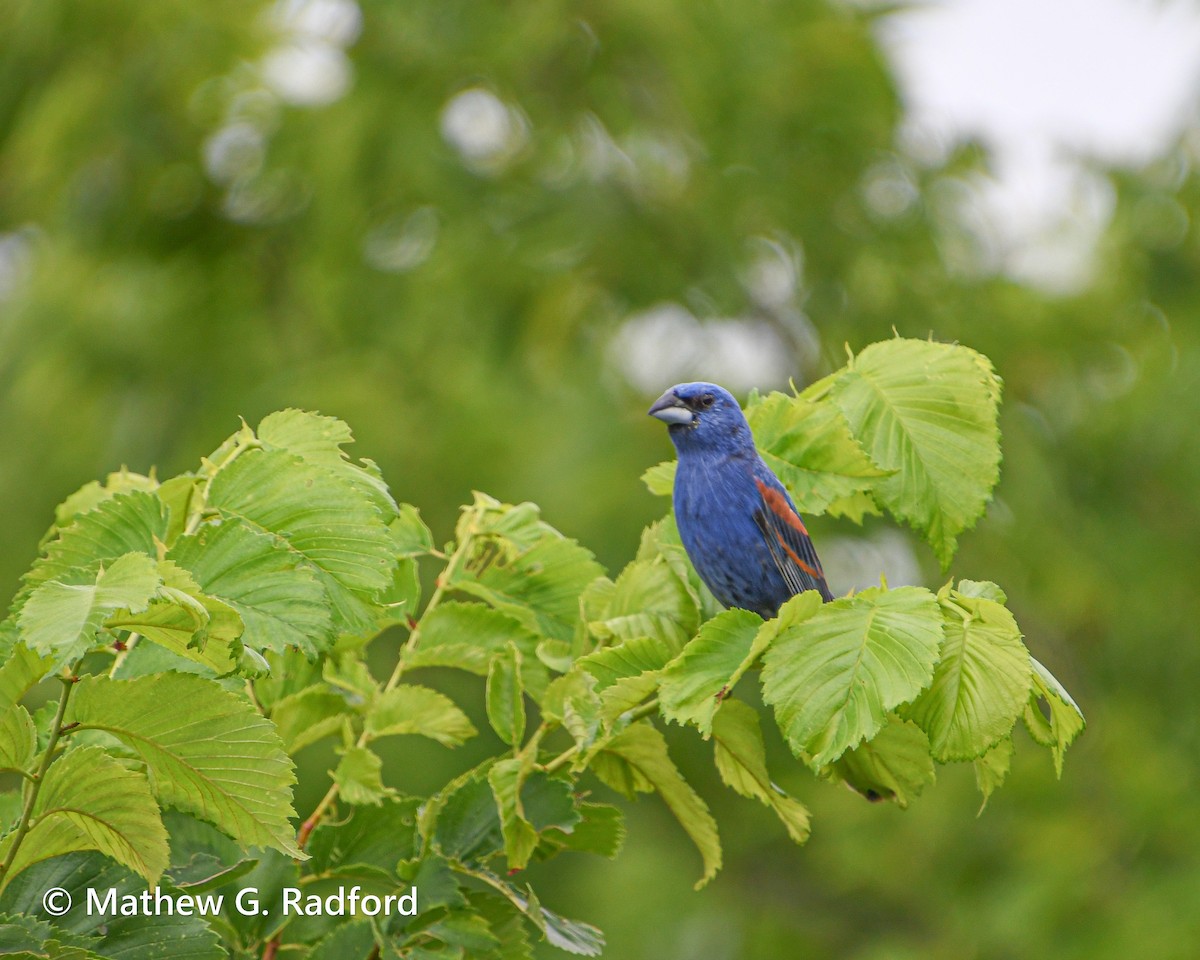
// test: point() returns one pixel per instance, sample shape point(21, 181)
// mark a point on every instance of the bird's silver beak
point(670, 409)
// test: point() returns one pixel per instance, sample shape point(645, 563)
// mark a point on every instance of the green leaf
point(538, 584)
point(133, 522)
point(811, 449)
point(321, 516)
point(644, 749)
point(695, 682)
point(506, 778)
point(112, 936)
point(648, 599)
point(18, 738)
point(273, 589)
point(308, 716)
point(351, 938)
point(992, 768)
point(468, 824)
point(834, 678)
point(601, 830)
point(61, 620)
point(209, 752)
point(89, 801)
point(1064, 721)
point(412, 538)
point(182, 618)
point(20, 673)
point(572, 701)
point(504, 697)
point(895, 764)
point(741, 760)
point(981, 682)
point(412, 709)
point(928, 412)
point(376, 836)
point(573, 936)
point(318, 440)
point(359, 777)
point(660, 479)
point(468, 635)
point(627, 673)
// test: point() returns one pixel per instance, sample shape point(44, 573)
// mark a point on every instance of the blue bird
point(737, 522)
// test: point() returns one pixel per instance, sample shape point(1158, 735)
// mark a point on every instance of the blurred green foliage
point(180, 245)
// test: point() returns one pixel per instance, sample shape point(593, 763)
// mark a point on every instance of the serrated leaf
point(572, 701)
point(186, 621)
point(645, 750)
point(209, 751)
point(323, 517)
point(359, 776)
point(927, 411)
point(132, 522)
point(741, 760)
point(811, 449)
point(418, 710)
point(89, 801)
point(412, 538)
point(627, 673)
point(601, 830)
point(1065, 720)
point(505, 696)
point(992, 768)
point(981, 681)
point(660, 478)
point(693, 685)
point(648, 599)
point(20, 673)
point(982, 588)
point(834, 678)
point(18, 738)
point(538, 584)
point(573, 936)
point(113, 936)
point(61, 620)
point(506, 778)
point(468, 635)
point(310, 715)
point(274, 591)
point(376, 836)
point(468, 824)
point(895, 764)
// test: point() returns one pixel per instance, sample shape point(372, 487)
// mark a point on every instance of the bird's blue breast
point(715, 500)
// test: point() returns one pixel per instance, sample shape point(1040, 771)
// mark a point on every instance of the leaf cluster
point(209, 627)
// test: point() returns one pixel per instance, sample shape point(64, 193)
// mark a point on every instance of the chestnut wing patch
point(789, 543)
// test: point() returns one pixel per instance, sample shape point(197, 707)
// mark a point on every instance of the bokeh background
point(488, 234)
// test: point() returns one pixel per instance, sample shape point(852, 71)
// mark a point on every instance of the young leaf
point(506, 778)
point(627, 673)
point(741, 760)
point(505, 698)
point(644, 749)
point(308, 716)
point(359, 777)
point(811, 449)
point(468, 635)
point(189, 623)
point(648, 599)
point(20, 673)
point(834, 678)
point(209, 752)
point(695, 682)
point(89, 801)
point(274, 591)
point(572, 701)
point(981, 682)
point(409, 708)
point(992, 768)
point(1065, 721)
point(660, 478)
point(895, 764)
point(928, 412)
point(61, 620)
point(412, 538)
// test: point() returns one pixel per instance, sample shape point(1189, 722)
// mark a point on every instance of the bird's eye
point(706, 401)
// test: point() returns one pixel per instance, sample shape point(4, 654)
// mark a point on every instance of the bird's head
point(702, 415)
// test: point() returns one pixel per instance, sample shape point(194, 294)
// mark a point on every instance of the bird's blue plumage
point(737, 522)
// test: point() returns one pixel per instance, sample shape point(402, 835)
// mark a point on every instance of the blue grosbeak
point(737, 522)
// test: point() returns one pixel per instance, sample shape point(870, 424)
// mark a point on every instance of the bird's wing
point(789, 543)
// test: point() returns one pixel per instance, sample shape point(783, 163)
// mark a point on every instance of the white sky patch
point(1046, 85)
